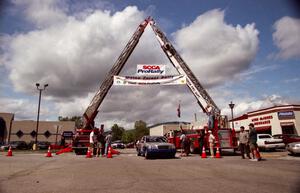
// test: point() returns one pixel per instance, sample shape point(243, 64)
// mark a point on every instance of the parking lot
point(33, 172)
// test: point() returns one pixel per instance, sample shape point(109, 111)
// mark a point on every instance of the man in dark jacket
point(253, 142)
point(101, 142)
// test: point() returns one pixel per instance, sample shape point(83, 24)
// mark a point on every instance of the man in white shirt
point(211, 140)
point(182, 142)
point(92, 137)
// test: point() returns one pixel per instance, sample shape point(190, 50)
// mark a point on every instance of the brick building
point(25, 130)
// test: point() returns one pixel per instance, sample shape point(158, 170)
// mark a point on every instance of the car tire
point(146, 154)
point(138, 153)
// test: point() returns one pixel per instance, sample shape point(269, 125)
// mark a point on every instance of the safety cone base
point(203, 153)
point(9, 153)
point(218, 155)
point(109, 155)
point(49, 154)
point(89, 154)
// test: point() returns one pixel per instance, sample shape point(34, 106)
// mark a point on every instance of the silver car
point(293, 148)
point(150, 146)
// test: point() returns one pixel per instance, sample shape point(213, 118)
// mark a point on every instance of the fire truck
point(226, 138)
point(203, 99)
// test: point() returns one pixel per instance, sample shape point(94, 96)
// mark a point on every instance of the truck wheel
point(77, 152)
point(234, 151)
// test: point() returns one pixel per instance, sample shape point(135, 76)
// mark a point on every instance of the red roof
point(243, 117)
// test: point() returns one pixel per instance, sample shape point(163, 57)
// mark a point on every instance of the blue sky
point(241, 51)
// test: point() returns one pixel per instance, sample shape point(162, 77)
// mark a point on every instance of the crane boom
point(203, 98)
point(92, 110)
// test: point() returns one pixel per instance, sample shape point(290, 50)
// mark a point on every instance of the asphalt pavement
point(128, 173)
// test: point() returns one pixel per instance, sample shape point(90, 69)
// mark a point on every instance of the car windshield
point(155, 139)
point(264, 136)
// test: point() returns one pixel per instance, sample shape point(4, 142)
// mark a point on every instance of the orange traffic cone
point(9, 153)
point(109, 155)
point(257, 155)
point(218, 155)
point(49, 152)
point(203, 153)
point(113, 151)
point(89, 154)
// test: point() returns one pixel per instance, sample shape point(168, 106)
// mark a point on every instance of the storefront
point(25, 130)
point(276, 120)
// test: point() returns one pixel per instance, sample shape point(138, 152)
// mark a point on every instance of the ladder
point(203, 98)
point(92, 110)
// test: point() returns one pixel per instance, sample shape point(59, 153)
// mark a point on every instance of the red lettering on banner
point(151, 67)
point(262, 122)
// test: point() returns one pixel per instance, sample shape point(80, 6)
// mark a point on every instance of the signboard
point(150, 69)
point(67, 134)
point(264, 120)
point(286, 115)
point(152, 80)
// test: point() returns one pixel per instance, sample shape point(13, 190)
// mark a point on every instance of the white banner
point(152, 80)
point(150, 69)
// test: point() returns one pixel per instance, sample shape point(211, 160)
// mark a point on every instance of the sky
point(247, 52)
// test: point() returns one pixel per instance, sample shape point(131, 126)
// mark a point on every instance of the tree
point(117, 132)
point(141, 129)
point(128, 136)
point(78, 120)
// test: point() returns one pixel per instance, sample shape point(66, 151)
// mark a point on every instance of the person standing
point(101, 142)
point(92, 142)
point(62, 141)
point(107, 142)
point(253, 142)
point(244, 141)
point(182, 142)
point(201, 140)
point(211, 140)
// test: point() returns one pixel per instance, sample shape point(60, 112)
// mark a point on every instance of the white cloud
point(72, 57)
point(43, 13)
point(287, 37)
point(23, 108)
point(291, 80)
point(215, 50)
point(252, 104)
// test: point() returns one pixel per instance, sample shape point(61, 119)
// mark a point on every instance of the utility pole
point(231, 105)
point(38, 115)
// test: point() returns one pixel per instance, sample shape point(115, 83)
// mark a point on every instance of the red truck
point(81, 141)
point(225, 138)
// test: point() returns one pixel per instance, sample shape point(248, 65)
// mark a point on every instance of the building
point(284, 119)
point(161, 129)
point(6, 120)
point(25, 130)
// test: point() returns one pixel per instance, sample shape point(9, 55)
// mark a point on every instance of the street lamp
point(38, 115)
point(231, 105)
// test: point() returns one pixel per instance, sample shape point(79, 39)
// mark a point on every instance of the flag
point(178, 110)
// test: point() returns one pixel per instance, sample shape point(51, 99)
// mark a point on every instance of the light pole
point(38, 115)
point(231, 105)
